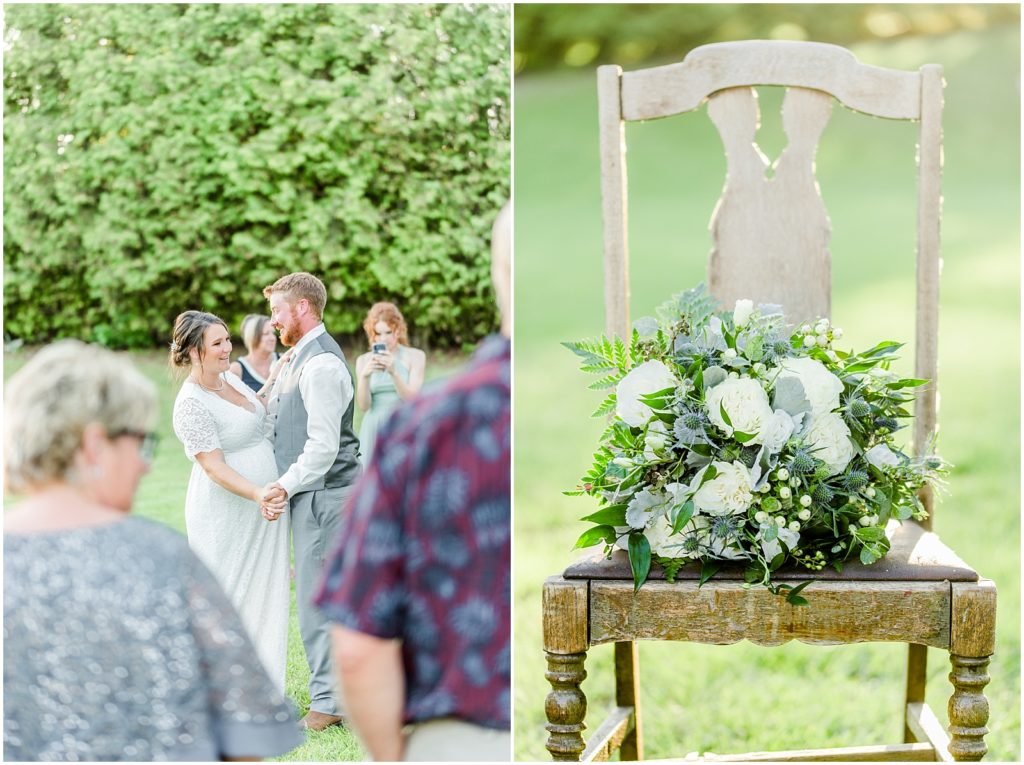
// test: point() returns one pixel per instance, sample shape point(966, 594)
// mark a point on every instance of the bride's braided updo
point(189, 329)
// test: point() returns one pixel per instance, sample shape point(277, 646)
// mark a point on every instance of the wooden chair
point(921, 594)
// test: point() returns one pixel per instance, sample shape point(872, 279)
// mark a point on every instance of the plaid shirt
point(426, 550)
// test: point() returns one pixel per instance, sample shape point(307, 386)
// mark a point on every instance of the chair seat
point(916, 555)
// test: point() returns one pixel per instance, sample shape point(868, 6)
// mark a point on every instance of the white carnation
point(744, 400)
point(729, 492)
point(644, 506)
point(649, 377)
point(821, 387)
point(829, 438)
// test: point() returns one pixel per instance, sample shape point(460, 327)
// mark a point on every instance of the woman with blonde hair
point(118, 642)
point(390, 372)
point(260, 341)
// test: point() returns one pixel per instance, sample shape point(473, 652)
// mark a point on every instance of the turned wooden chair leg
point(566, 605)
point(972, 643)
point(627, 694)
point(917, 675)
point(968, 707)
point(566, 705)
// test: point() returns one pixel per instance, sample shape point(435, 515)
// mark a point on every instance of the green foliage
point(165, 157)
point(629, 34)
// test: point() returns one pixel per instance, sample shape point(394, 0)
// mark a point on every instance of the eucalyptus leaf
point(867, 556)
point(790, 396)
point(646, 326)
point(713, 376)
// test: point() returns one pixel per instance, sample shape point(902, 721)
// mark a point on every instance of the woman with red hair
point(388, 373)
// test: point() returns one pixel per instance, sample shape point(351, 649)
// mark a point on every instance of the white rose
point(644, 506)
point(881, 455)
point(649, 377)
point(656, 441)
point(829, 438)
point(741, 313)
point(821, 387)
point(744, 401)
point(776, 431)
point(728, 493)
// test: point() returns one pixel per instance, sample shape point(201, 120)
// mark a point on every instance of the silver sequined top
point(120, 645)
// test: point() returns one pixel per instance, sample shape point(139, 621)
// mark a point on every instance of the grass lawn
point(744, 697)
point(161, 496)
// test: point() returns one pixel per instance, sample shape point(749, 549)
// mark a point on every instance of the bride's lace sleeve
point(251, 717)
point(195, 427)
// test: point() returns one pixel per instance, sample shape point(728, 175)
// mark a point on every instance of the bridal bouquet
point(734, 439)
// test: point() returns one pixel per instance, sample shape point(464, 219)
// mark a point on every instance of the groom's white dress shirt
point(325, 401)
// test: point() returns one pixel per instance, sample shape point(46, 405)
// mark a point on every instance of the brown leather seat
point(916, 555)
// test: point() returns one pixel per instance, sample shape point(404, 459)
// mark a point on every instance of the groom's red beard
point(290, 336)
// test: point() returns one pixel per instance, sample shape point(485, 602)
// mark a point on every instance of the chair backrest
point(770, 236)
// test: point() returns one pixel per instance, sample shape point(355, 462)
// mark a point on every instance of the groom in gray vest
point(317, 454)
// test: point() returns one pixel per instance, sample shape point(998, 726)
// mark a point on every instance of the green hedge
point(165, 157)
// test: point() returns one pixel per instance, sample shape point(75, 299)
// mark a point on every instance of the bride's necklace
point(212, 390)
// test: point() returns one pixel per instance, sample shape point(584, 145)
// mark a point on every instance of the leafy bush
point(165, 157)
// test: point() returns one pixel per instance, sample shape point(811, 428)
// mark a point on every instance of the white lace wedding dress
point(248, 555)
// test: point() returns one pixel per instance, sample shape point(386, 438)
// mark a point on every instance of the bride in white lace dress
point(220, 422)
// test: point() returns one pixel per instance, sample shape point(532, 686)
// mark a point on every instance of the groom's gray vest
point(290, 432)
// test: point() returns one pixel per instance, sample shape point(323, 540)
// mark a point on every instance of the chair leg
point(566, 705)
point(917, 675)
point(968, 707)
point(627, 694)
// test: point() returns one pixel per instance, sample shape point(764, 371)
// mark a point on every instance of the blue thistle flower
point(689, 427)
point(724, 527)
point(855, 480)
point(822, 494)
point(802, 462)
point(858, 407)
point(890, 423)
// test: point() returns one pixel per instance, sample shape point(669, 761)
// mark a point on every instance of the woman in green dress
point(390, 372)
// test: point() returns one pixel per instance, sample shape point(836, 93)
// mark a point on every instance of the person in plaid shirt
point(419, 588)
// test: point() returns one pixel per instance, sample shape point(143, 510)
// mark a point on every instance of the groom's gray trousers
point(316, 530)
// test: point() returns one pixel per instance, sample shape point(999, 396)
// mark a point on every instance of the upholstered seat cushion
point(916, 555)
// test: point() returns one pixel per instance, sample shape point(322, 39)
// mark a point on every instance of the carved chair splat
point(770, 233)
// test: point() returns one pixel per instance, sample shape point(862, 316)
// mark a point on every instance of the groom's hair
point(300, 285)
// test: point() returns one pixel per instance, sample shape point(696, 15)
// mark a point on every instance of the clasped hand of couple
point(273, 501)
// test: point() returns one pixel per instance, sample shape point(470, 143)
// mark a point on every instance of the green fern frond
point(607, 406)
point(606, 382)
